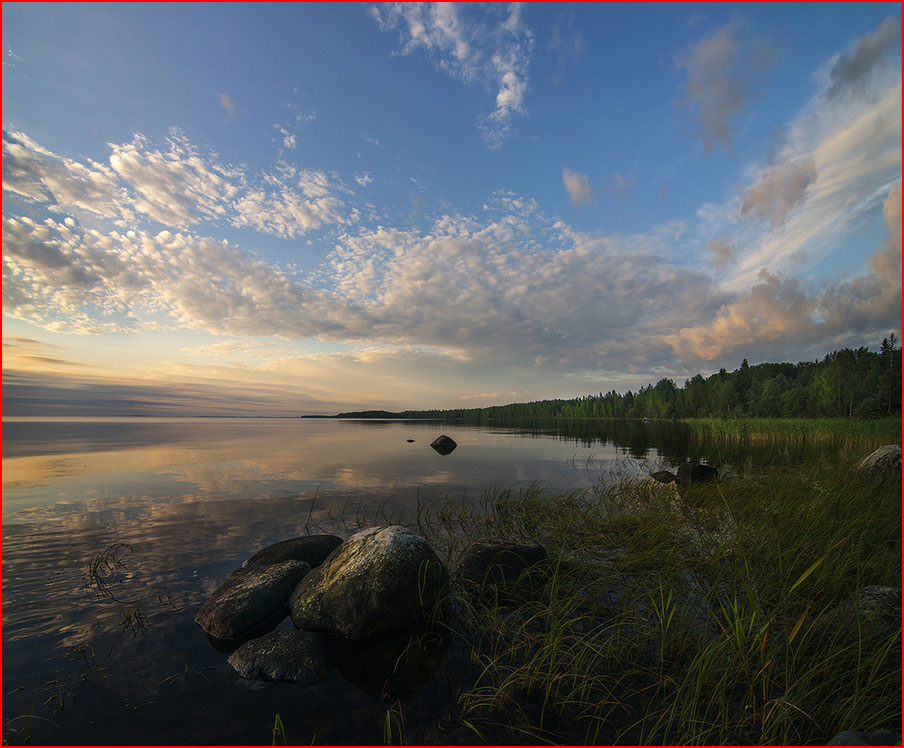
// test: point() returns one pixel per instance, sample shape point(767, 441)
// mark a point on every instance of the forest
point(845, 383)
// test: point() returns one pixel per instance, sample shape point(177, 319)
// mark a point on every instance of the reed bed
point(662, 618)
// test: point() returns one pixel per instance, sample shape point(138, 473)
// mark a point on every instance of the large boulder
point(498, 561)
point(291, 655)
point(251, 601)
point(380, 579)
point(884, 461)
point(312, 549)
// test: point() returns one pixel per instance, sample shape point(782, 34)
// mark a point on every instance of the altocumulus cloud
point(176, 185)
point(516, 286)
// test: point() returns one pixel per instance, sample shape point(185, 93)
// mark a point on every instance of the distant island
point(845, 383)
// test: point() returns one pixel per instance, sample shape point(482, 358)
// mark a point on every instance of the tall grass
point(694, 619)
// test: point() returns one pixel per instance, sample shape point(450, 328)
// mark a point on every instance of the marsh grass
point(694, 619)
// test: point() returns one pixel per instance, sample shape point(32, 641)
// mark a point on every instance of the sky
point(256, 209)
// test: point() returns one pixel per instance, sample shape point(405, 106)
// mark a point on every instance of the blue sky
point(304, 208)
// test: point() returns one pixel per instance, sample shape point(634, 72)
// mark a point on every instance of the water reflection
point(192, 499)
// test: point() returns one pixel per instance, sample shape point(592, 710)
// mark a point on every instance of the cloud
point(226, 103)
point(177, 185)
point(578, 187)
point(491, 46)
point(620, 186)
point(516, 287)
point(785, 311)
point(720, 68)
point(854, 68)
point(364, 179)
point(721, 251)
point(288, 139)
point(38, 175)
point(565, 41)
point(778, 190)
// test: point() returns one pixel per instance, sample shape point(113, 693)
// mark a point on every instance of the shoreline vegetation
point(709, 616)
point(844, 384)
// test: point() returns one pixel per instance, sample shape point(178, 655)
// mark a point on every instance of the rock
point(380, 579)
point(292, 655)
point(410, 441)
point(312, 549)
point(498, 561)
point(663, 476)
point(443, 444)
point(884, 461)
point(251, 601)
point(689, 472)
point(856, 737)
point(873, 613)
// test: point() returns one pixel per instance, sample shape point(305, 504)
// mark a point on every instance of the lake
point(177, 504)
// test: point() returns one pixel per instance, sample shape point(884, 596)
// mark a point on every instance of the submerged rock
point(884, 461)
point(443, 444)
point(380, 579)
point(498, 561)
point(251, 601)
point(390, 666)
point(290, 655)
point(312, 549)
point(856, 737)
point(871, 613)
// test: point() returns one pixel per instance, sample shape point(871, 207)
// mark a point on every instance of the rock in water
point(312, 549)
point(663, 476)
point(250, 601)
point(497, 561)
point(380, 579)
point(884, 461)
point(292, 655)
point(443, 444)
point(689, 472)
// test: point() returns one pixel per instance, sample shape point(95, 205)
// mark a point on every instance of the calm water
point(192, 498)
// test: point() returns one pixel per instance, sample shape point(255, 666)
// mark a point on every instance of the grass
point(662, 619)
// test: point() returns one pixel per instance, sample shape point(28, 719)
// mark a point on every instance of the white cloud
point(177, 186)
point(226, 103)
point(722, 252)
point(364, 179)
point(38, 175)
point(620, 186)
point(577, 186)
point(474, 43)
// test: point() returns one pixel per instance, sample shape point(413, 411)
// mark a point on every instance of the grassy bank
point(681, 620)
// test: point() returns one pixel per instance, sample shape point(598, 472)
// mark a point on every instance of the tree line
point(845, 383)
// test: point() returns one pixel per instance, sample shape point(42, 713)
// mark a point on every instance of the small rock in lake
point(884, 461)
point(410, 441)
point(380, 579)
point(312, 549)
point(443, 444)
point(251, 601)
point(290, 655)
point(688, 473)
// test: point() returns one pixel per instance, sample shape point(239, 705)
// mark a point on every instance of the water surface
point(182, 502)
